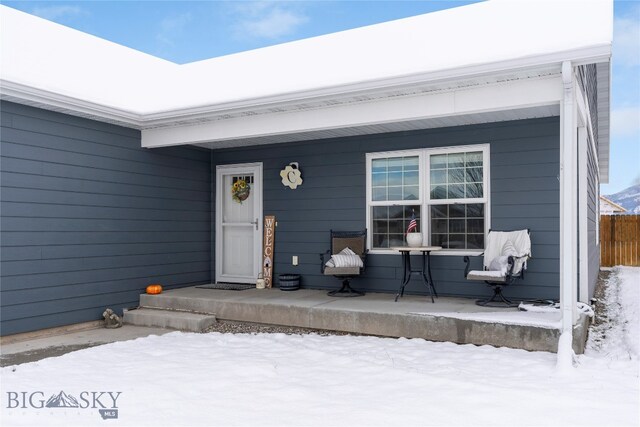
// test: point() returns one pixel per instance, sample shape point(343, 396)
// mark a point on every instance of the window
point(394, 197)
point(445, 188)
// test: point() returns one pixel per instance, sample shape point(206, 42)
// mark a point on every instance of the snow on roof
point(47, 56)
point(607, 206)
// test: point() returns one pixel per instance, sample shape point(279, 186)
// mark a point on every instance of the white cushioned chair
point(505, 260)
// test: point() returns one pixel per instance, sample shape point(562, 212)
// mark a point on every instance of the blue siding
point(588, 81)
point(89, 218)
point(593, 215)
point(524, 194)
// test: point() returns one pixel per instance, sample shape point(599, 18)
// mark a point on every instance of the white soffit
point(54, 59)
point(371, 114)
point(429, 123)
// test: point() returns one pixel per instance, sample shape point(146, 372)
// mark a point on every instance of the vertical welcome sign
point(267, 249)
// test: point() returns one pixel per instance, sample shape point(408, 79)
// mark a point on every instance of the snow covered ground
point(224, 379)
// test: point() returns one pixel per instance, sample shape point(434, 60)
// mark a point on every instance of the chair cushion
point(488, 275)
point(500, 264)
point(346, 258)
point(342, 271)
point(509, 249)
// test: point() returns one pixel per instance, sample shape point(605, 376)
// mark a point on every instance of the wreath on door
point(240, 191)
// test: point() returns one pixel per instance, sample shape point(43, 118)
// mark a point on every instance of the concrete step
point(181, 320)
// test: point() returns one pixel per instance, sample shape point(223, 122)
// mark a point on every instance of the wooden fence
point(619, 240)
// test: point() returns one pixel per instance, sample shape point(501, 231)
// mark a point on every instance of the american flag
point(413, 224)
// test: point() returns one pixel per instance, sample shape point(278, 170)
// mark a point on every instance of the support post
point(568, 201)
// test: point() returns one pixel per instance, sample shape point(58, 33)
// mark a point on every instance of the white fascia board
point(15, 92)
point(494, 97)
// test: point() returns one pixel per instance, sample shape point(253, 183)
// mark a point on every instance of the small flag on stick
point(413, 224)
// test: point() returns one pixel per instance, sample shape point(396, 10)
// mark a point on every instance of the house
point(118, 168)
point(607, 207)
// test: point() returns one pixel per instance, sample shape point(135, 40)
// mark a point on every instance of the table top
point(416, 248)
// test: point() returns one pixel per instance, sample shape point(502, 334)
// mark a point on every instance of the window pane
point(473, 159)
point(379, 165)
point(438, 176)
point(475, 241)
point(456, 211)
point(380, 212)
point(438, 192)
point(410, 178)
point(440, 240)
point(439, 226)
point(395, 193)
point(380, 227)
point(455, 160)
point(457, 241)
point(456, 175)
point(475, 226)
point(390, 224)
point(475, 210)
point(379, 194)
point(380, 241)
point(390, 176)
point(395, 178)
point(457, 226)
point(455, 191)
point(395, 164)
point(411, 193)
point(474, 174)
point(473, 191)
point(439, 211)
point(396, 240)
point(438, 161)
point(379, 180)
point(395, 211)
point(396, 226)
point(411, 163)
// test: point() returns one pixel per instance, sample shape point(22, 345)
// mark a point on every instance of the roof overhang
point(418, 72)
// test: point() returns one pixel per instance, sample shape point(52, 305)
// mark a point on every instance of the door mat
point(228, 286)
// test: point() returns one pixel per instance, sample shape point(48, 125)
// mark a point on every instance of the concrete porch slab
point(374, 314)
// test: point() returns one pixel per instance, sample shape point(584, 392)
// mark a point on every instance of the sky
point(187, 31)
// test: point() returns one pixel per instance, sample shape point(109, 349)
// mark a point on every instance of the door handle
point(256, 223)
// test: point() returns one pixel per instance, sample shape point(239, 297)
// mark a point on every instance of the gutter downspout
point(568, 216)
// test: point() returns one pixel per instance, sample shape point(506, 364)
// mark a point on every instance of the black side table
point(424, 272)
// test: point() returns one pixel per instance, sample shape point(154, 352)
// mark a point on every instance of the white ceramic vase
point(414, 239)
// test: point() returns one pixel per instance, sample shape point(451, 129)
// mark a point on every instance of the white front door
point(238, 222)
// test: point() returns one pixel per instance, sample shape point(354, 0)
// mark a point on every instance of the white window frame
point(369, 203)
point(424, 199)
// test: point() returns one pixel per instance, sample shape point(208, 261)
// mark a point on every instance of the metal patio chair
point(357, 242)
point(505, 260)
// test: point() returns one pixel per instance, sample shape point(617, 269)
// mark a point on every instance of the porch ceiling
point(429, 123)
point(493, 97)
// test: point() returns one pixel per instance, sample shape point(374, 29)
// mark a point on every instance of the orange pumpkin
point(154, 289)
